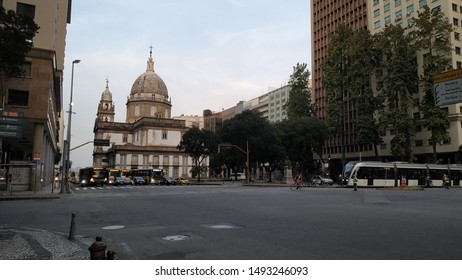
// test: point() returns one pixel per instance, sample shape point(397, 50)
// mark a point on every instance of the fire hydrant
point(98, 249)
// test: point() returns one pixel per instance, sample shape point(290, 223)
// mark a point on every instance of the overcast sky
point(211, 54)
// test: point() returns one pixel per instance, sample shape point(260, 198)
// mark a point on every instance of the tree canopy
point(299, 103)
point(16, 34)
point(199, 144)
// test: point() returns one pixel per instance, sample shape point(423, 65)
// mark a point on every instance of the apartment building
point(401, 12)
point(36, 99)
point(270, 105)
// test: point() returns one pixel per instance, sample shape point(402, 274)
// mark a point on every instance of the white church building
point(149, 136)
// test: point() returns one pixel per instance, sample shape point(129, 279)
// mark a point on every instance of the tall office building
point(36, 100)
point(325, 17)
point(375, 15)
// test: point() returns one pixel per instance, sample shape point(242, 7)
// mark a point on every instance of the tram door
point(455, 177)
point(370, 177)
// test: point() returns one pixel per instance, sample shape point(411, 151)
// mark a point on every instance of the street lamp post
point(247, 152)
point(67, 143)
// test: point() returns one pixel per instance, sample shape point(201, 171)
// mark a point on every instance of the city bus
point(112, 174)
point(125, 173)
point(151, 176)
point(394, 174)
point(92, 176)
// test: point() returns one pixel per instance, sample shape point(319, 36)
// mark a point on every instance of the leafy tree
point(336, 82)
point(199, 144)
point(362, 54)
point(302, 137)
point(263, 140)
point(299, 103)
point(398, 75)
point(16, 34)
point(432, 37)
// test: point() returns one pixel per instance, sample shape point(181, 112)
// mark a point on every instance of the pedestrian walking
point(446, 181)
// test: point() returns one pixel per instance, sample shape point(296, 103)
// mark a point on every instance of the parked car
point(237, 176)
point(139, 181)
point(182, 181)
point(123, 181)
point(167, 181)
point(321, 180)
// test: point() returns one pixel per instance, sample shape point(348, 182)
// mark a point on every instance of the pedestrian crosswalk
point(123, 187)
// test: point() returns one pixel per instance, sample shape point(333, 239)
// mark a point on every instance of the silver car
point(320, 180)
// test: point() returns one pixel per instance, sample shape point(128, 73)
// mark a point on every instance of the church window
point(176, 172)
point(106, 106)
point(164, 135)
point(106, 119)
point(155, 161)
point(153, 111)
point(166, 160)
point(134, 160)
point(125, 138)
point(176, 160)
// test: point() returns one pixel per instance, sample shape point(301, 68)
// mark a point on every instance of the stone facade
point(149, 137)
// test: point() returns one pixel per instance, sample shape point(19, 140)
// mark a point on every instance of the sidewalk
point(45, 193)
point(36, 244)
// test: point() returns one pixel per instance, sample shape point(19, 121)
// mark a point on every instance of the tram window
point(379, 173)
point(363, 172)
point(455, 174)
point(415, 174)
point(437, 174)
point(387, 173)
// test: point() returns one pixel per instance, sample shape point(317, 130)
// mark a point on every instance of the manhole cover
point(114, 227)
point(175, 237)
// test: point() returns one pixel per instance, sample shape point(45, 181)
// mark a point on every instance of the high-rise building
point(325, 17)
point(30, 152)
point(375, 15)
point(402, 13)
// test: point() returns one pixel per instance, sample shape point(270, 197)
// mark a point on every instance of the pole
point(67, 148)
point(247, 178)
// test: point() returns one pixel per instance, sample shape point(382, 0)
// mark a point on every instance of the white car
point(320, 180)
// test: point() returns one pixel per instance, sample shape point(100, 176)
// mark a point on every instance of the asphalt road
point(255, 223)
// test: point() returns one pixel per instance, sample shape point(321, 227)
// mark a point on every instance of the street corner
point(37, 244)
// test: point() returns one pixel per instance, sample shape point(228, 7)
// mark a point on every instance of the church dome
point(149, 83)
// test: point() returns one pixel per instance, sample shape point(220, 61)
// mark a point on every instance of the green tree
point(397, 75)
point(16, 34)
point(431, 36)
point(336, 82)
point(299, 103)
point(303, 137)
point(263, 140)
point(199, 144)
point(362, 55)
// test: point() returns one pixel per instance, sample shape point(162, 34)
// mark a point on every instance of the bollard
point(72, 230)
point(98, 249)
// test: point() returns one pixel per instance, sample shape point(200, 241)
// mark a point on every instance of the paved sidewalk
point(45, 193)
point(37, 244)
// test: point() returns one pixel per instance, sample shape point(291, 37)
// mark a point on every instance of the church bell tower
point(106, 107)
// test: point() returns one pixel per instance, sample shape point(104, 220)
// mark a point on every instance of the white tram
point(393, 174)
